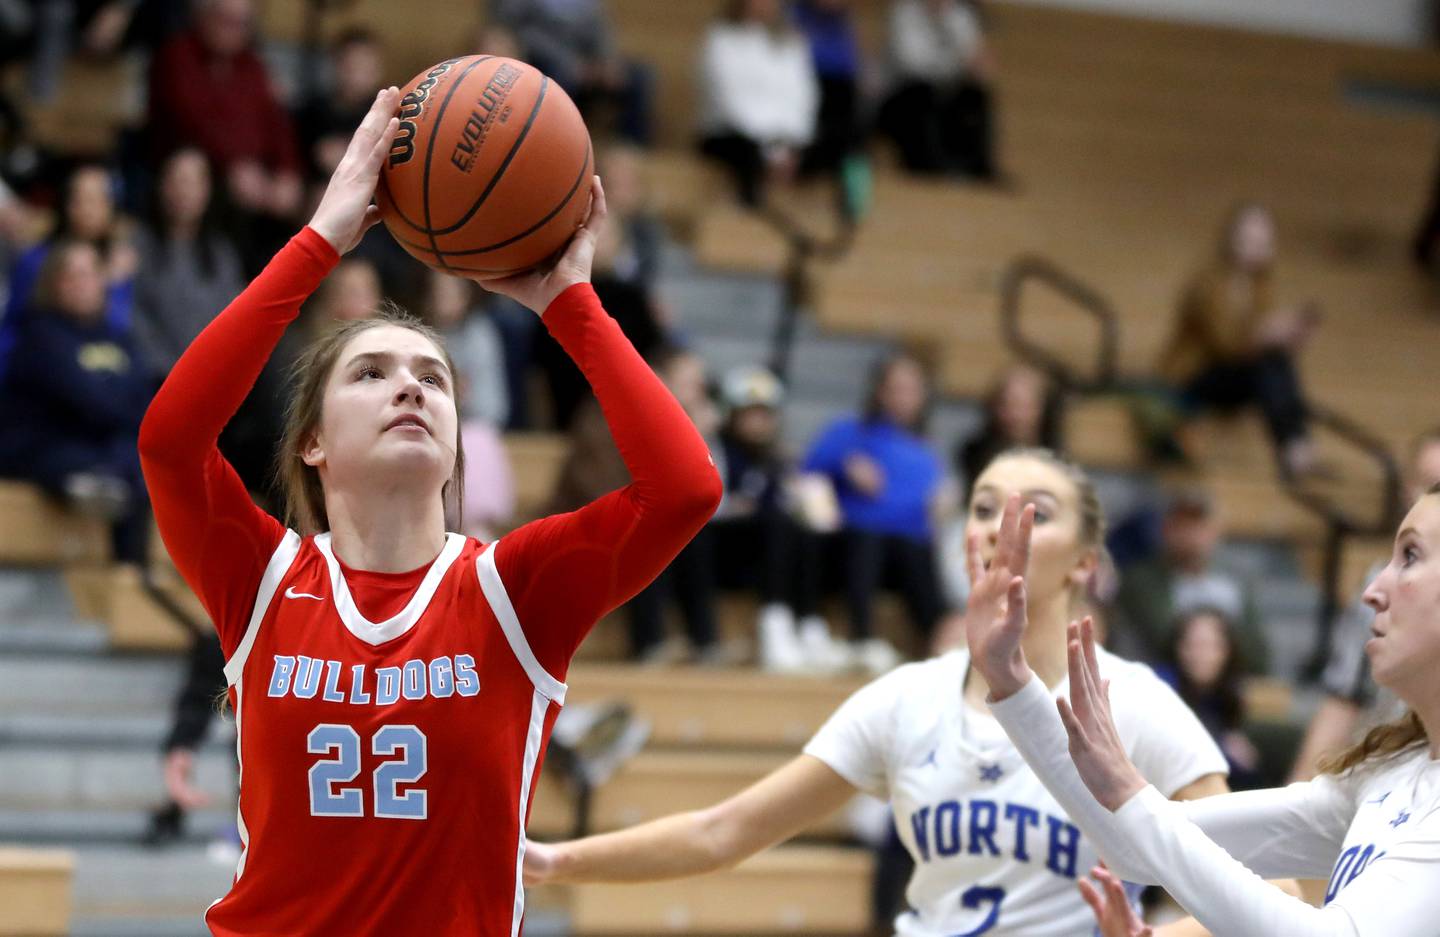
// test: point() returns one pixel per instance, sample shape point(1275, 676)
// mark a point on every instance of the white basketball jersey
point(994, 854)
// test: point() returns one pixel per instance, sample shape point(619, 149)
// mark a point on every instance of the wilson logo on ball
point(411, 107)
point(497, 89)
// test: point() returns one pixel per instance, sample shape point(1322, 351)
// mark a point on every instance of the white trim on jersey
point(378, 633)
point(275, 571)
point(499, 601)
point(539, 705)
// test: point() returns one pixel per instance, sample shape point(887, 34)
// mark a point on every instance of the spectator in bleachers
point(887, 478)
point(189, 270)
point(939, 109)
point(1154, 592)
point(1353, 702)
point(1204, 668)
point(689, 582)
point(639, 249)
point(209, 88)
point(762, 542)
point(73, 399)
point(630, 302)
point(87, 212)
point(350, 293)
point(1022, 410)
point(325, 123)
point(491, 38)
point(829, 27)
point(452, 306)
point(1235, 345)
point(759, 96)
point(573, 42)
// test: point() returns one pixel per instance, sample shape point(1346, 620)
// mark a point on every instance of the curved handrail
point(1374, 449)
point(1029, 267)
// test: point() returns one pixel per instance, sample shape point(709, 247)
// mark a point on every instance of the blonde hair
point(1384, 741)
point(300, 486)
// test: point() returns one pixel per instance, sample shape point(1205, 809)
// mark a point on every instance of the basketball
point(490, 171)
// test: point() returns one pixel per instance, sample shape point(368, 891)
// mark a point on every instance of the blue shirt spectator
point(911, 472)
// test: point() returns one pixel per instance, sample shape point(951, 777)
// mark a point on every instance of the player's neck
point(1044, 646)
point(386, 532)
point(1426, 706)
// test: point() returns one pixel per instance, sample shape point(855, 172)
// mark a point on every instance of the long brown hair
point(300, 483)
point(1383, 741)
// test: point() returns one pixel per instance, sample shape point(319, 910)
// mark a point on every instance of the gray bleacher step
point(175, 884)
point(34, 596)
point(99, 827)
point(69, 683)
point(49, 777)
point(101, 730)
point(724, 353)
point(49, 637)
point(837, 367)
point(710, 305)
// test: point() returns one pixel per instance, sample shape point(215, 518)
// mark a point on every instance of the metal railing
point(1340, 524)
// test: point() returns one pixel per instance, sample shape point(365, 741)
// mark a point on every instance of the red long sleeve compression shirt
point(561, 572)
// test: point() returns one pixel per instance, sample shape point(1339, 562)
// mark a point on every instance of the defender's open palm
point(345, 212)
point(995, 615)
point(1095, 744)
point(1114, 916)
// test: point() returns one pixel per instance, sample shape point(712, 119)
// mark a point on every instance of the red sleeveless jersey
point(386, 768)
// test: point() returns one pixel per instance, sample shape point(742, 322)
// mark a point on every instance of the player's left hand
point(1114, 917)
point(345, 211)
point(995, 615)
point(536, 289)
point(1095, 745)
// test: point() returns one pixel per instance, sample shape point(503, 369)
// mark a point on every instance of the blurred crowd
point(115, 261)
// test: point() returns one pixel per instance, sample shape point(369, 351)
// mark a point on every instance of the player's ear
point(311, 451)
point(1084, 569)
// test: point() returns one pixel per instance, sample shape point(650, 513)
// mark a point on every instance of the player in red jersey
point(394, 685)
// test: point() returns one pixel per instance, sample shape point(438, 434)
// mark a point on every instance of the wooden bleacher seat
point(792, 889)
point(93, 102)
point(535, 460)
point(656, 783)
point(688, 706)
point(35, 891)
point(39, 532)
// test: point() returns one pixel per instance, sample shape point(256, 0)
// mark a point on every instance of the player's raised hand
point(537, 289)
point(1114, 916)
point(1095, 746)
point(345, 212)
point(995, 616)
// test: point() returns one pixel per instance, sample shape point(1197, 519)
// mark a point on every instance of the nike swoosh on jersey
point(290, 593)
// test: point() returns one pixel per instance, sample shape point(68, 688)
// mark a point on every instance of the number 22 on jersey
point(328, 798)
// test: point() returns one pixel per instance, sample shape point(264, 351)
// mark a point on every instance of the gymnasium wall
point(1393, 22)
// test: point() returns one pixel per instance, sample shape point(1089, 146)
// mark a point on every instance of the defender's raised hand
point(995, 617)
point(345, 212)
point(1095, 746)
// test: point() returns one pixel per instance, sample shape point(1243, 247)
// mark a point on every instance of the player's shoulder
point(916, 683)
point(1131, 677)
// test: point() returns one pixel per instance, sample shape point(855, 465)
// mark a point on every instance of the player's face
point(389, 413)
point(1405, 650)
point(1058, 559)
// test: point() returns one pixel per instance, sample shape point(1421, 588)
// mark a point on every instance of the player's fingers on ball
point(382, 145)
point(598, 207)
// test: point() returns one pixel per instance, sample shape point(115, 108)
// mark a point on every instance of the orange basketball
point(490, 172)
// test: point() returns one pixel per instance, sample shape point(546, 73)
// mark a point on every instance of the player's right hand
point(995, 617)
point(345, 212)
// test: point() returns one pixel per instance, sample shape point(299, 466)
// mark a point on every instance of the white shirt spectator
point(758, 83)
point(936, 48)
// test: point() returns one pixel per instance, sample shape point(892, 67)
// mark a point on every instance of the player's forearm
point(676, 846)
point(1189, 927)
point(668, 460)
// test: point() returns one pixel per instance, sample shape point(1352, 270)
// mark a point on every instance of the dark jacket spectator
point(829, 27)
point(1234, 345)
point(73, 399)
point(572, 41)
point(1022, 410)
point(189, 270)
point(328, 120)
point(209, 89)
point(1204, 668)
point(939, 109)
point(1183, 577)
point(87, 213)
